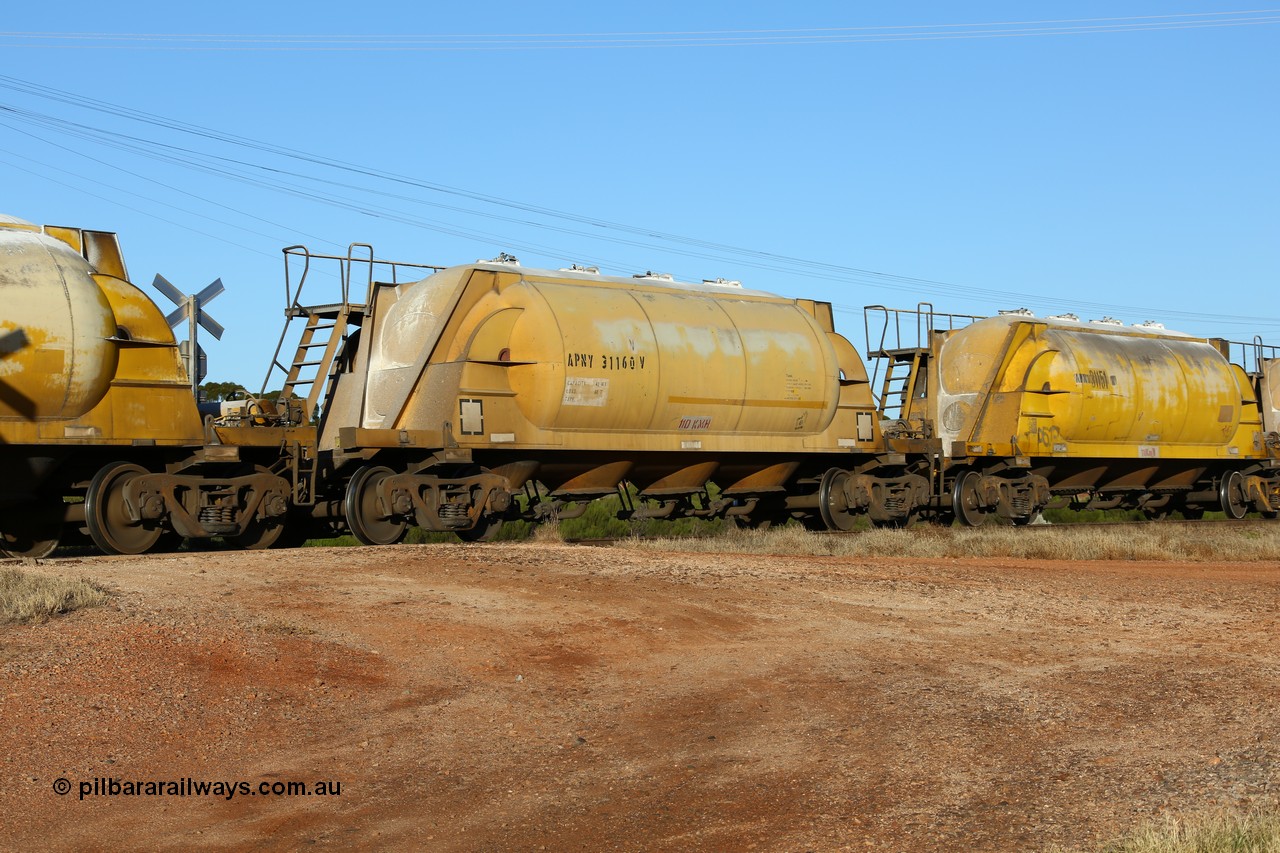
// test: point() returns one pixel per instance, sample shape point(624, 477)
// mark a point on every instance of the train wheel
point(832, 505)
point(108, 520)
point(484, 531)
point(369, 520)
point(260, 533)
point(1232, 497)
point(966, 503)
point(169, 541)
point(295, 531)
point(35, 531)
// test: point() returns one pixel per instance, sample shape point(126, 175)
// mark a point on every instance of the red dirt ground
point(547, 697)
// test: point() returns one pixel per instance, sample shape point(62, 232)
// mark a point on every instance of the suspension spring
point(217, 515)
point(453, 512)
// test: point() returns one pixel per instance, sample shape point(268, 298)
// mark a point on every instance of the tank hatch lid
point(1108, 326)
point(503, 258)
point(658, 280)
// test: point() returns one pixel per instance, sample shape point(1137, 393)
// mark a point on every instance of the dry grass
point(35, 597)
point(548, 532)
point(1218, 832)
point(1202, 543)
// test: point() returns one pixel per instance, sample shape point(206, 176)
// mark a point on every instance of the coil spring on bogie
point(1020, 505)
point(453, 512)
point(217, 515)
point(894, 503)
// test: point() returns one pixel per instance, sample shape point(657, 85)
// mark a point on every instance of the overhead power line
point(636, 40)
point(313, 187)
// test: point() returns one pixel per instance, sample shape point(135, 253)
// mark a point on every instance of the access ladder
point(319, 353)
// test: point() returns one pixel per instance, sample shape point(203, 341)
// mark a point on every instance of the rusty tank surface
point(1067, 389)
point(1023, 412)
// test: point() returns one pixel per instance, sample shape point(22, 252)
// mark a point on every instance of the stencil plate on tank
point(585, 391)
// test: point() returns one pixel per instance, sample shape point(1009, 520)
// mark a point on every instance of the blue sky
point(1124, 167)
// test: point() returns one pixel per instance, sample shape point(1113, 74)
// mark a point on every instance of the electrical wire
point(241, 171)
point(642, 39)
point(143, 147)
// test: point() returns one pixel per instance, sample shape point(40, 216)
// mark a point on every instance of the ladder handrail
point(923, 318)
point(1261, 352)
point(357, 254)
point(926, 320)
point(1252, 353)
point(290, 302)
point(884, 330)
point(347, 270)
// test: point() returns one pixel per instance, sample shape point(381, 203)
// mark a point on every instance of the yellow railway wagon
point(99, 433)
point(487, 381)
point(1096, 413)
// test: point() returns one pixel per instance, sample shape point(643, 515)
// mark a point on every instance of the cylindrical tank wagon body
point(51, 300)
point(580, 382)
point(1073, 389)
point(1025, 409)
point(663, 361)
point(596, 357)
point(99, 364)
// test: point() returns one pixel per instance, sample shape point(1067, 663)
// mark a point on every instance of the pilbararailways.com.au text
point(111, 786)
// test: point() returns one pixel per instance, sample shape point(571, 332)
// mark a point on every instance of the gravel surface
point(548, 697)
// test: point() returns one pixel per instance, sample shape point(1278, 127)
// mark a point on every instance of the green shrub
point(600, 521)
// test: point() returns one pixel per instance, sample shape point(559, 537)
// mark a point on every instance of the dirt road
point(540, 697)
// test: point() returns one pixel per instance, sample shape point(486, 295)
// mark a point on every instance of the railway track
point(79, 552)
point(1167, 523)
point(1033, 528)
